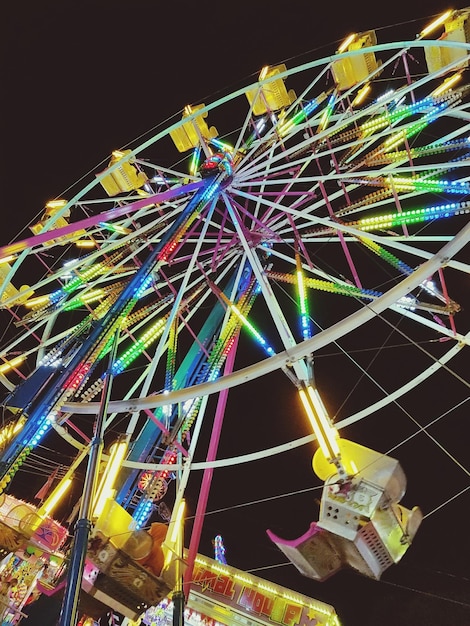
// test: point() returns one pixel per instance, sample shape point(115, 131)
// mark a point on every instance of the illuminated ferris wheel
point(324, 205)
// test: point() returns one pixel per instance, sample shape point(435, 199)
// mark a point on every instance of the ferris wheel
point(323, 207)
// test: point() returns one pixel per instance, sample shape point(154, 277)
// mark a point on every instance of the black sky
point(80, 79)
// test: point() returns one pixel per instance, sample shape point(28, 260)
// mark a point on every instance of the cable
point(462, 491)
point(260, 501)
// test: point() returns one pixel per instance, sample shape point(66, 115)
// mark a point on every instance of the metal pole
point(178, 607)
point(178, 593)
point(68, 615)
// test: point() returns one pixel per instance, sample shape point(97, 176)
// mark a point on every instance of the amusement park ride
point(347, 192)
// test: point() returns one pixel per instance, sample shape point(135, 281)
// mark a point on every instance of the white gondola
point(361, 524)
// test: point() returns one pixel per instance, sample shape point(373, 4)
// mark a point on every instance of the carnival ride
point(322, 204)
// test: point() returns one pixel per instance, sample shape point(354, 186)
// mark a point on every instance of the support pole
point(178, 606)
point(68, 615)
point(178, 592)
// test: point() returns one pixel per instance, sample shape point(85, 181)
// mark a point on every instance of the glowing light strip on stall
point(230, 596)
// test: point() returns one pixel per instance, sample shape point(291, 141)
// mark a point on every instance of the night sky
point(84, 78)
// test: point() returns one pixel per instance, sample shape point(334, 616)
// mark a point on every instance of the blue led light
point(139, 292)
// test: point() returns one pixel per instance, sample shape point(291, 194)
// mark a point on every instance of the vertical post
point(178, 604)
point(178, 592)
point(68, 615)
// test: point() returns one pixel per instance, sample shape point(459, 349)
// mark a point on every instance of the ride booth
point(126, 569)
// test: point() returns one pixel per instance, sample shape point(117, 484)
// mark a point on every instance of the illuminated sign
point(229, 596)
